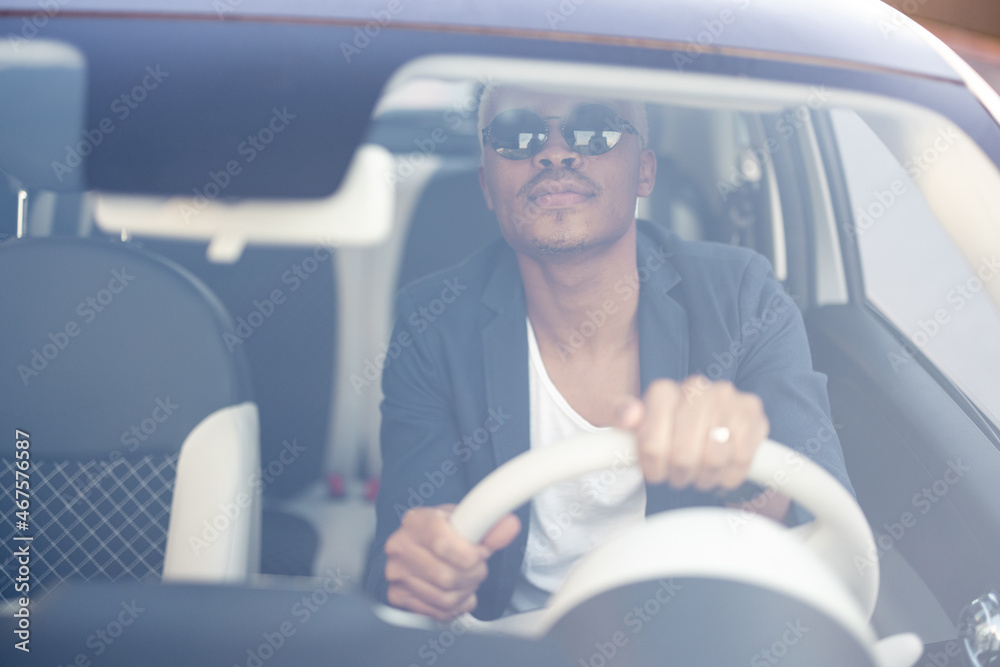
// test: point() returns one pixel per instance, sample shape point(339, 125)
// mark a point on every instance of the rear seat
point(283, 301)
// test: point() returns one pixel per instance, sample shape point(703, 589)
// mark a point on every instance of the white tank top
point(567, 520)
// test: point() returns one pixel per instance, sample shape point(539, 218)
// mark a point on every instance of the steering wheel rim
point(838, 536)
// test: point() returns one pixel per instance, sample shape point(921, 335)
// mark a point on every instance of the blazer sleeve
point(776, 364)
point(418, 432)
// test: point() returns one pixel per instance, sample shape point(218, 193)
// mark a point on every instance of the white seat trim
point(215, 514)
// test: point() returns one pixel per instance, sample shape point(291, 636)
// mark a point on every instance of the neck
point(584, 306)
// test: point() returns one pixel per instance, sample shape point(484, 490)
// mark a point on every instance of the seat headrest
point(109, 347)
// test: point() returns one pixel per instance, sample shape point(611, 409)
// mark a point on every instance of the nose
point(556, 152)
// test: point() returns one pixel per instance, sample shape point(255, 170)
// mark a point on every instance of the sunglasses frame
point(617, 118)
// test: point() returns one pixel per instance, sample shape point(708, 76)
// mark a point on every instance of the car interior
point(757, 163)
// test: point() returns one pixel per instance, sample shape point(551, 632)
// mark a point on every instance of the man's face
point(559, 202)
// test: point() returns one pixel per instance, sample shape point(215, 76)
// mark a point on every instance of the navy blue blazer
point(455, 375)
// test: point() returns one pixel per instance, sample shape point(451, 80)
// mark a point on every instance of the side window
point(924, 205)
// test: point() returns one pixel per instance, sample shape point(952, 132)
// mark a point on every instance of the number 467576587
point(22, 479)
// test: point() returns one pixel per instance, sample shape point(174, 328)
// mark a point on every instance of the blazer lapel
point(505, 357)
point(663, 326)
point(663, 337)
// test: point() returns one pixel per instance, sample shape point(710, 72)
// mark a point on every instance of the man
point(582, 320)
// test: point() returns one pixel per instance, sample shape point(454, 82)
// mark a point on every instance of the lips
point(558, 194)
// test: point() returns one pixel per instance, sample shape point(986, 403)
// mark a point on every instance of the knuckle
point(446, 579)
point(724, 387)
point(454, 601)
point(681, 470)
point(397, 596)
point(704, 483)
point(393, 546)
point(652, 451)
point(683, 458)
point(716, 457)
point(440, 546)
point(754, 403)
point(393, 571)
point(662, 388)
point(729, 482)
point(697, 381)
point(411, 518)
point(742, 456)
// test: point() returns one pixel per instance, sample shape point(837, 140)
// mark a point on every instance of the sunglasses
point(591, 129)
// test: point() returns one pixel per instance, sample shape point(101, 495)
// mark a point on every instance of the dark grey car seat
point(143, 439)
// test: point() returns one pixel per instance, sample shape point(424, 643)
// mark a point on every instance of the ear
point(484, 187)
point(647, 172)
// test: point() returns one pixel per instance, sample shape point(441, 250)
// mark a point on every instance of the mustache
point(557, 175)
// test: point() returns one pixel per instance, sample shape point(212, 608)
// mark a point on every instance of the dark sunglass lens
point(593, 129)
point(517, 134)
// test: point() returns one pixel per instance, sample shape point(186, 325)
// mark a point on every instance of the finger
point(444, 601)
point(502, 533)
point(654, 434)
point(748, 431)
point(407, 562)
point(405, 599)
point(734, 472)
point(694, 419)
point(629, 412)
point(431, 528)
point(715, 460)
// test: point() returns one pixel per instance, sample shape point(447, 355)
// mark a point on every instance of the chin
point(550, 248)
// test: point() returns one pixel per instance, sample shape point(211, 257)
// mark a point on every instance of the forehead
point(544, 104)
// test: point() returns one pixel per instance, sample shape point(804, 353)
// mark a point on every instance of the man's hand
point(698, 432)
point(433, 570)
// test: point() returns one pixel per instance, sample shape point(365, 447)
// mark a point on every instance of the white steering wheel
point(827, 563)
point(839, 538)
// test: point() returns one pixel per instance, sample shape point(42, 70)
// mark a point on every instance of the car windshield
point(365, 264)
